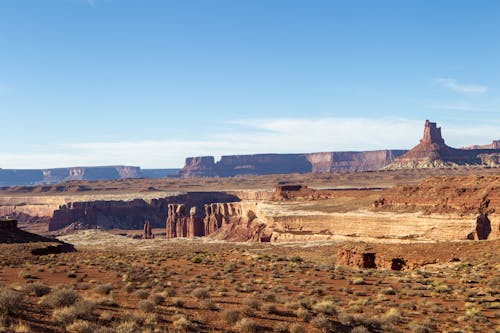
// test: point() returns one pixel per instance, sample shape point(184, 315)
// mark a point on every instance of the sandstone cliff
point(264, 164)
point(131, 214)
point(181, 223)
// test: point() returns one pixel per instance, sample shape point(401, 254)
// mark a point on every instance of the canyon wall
point(263, 164)
point(131, 214)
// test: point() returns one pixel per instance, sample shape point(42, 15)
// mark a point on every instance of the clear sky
point(149, 82)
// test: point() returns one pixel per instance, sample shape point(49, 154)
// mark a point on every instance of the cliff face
point(180, 223)
point(263, 164)
point(432, 152)
point(110, 214)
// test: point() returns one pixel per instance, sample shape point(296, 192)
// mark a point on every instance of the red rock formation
point(147, 234)
point(202, 166)
point(366, 257)
point(235, 221)
point(182, 224)
point(433, 152)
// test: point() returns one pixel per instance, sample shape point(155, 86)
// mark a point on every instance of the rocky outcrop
point(10, 233)
point(180, 223)
point(235, 221)
point(365, 257)
point(8, 224)
point(482, 230)
point(432, 152)
point(264, 164)
point(147, 233)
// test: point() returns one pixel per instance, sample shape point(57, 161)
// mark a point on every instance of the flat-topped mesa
point(201, 166)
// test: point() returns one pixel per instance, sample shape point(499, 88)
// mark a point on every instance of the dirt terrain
point(342, 252)
point(118, 284)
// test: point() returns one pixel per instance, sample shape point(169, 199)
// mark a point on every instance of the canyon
point(395, 208)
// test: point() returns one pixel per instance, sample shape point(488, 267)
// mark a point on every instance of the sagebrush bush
point(38, 289)
point(82, 326)
point(10, 302)
point(79, 310)
point(230, 316)
point(146, 306)
point(325, 306)
point(103, 289)
point(61, 297)
point(201, 293)
point(246, 325)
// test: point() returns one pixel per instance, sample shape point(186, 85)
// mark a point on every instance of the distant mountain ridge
point(11, 177)
point(431, 152)
point(264, 164)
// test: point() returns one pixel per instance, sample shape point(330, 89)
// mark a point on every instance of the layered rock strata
point(122, 214)
point(263, 164)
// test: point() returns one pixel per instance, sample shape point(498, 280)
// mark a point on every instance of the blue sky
point(150, 82)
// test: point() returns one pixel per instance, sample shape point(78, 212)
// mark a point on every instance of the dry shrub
point(201, 293)
point(296, 328)
point(103, 289)
point(182, 323)
point(81, 326)
point(38, 289)
point(391, 316)
point(146, 306)
point(230, 316)
point(10, 302)
point(127, 326)
point(21, 327)
point(61, 298)
point(79, 310)
point(325, 306)
point(246, 325)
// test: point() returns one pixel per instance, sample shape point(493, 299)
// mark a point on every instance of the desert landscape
point(398, 249)
point(249, 166)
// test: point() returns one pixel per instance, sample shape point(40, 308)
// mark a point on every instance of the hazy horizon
point(102, 82)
